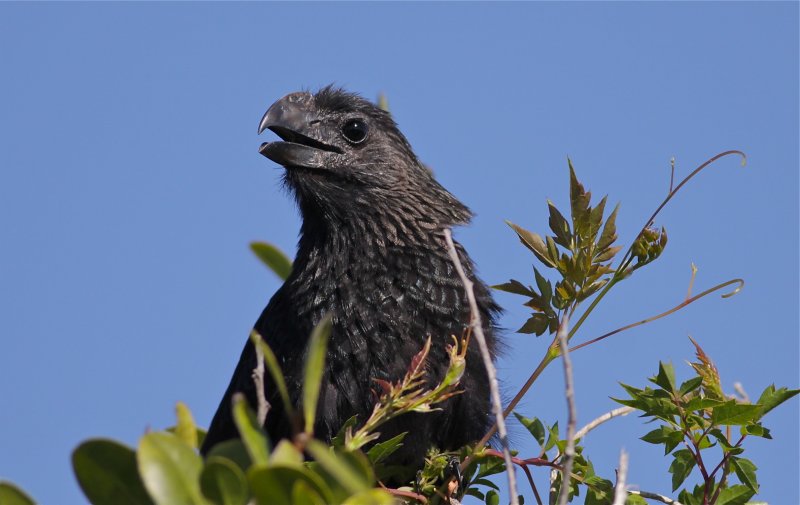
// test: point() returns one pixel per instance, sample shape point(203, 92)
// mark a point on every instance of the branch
point(258, 378)
point(622, 411)
point(569, 450)
point(674, 309)
point(620, 494)
point(477, 330)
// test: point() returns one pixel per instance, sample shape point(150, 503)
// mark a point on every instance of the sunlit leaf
point(273, 257)
point(746, 472)
point(13, 495)
point(170, 470)
point(315, 366)
point(253, 437)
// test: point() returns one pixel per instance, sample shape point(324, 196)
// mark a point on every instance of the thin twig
point(258, 379)
point(657, 497)
point(620, 493)
point(477, 330)
point(622, 411)
point(676, 308)
point(569, 450)
point(406, 494)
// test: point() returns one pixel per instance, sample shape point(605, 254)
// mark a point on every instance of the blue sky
point(130, 187)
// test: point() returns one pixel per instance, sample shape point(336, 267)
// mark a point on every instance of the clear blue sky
point(130, 186)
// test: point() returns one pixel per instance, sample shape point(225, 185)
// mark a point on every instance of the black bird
point(372, 254)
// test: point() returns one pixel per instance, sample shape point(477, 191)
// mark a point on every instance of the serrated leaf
point(514, 287)
point(383, 450)
point(273, 257)
point(537, 324)
point(609, 234)
point(559, 226)
point(534, 427)
point(252, 436)
point(690, 385)
point(772, 397)
point(545, 288)
point(681, 467)
point(746, 472)
point(223, 482)
point(108, 474)
point(666, 377)
point(170, 470)
point(534, 242)
point(579, 203)
point(731, 413)
point(315, 366)
point(734, 495)
point(596, 218)
point(756, 430)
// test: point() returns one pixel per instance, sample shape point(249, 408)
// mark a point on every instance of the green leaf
point(12, 495)
point(383, 450)
point(772, 397)
point(560, 227)
point(545, 288)
point(273, 257)
point(690, 385)
point(734, 495)
point(681, 467)
point(286, 454)
point(371, 497)
point(253, 437)
point(731, 413)
point(492, 498)
point(666, 377)
point(315, 366)
point(579, 203)
point(275, 371)
point(533, 242)
point(351, 476)
point(552, 437)
point(186, 429)
point(107, 473)
point(223, 482)
point(609, 234)
point(170, 470)
point(534, 426)
point(537, 324)
point(234, 451)
point(635, 499)
point(756, 430)
point(514, 287)
point(275, 485)
point(596, 217)
point(746, 471)
point(666, 435)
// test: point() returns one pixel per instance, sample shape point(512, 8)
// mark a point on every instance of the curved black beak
point(294, 119)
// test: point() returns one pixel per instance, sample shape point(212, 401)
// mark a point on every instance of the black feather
point(372, 254)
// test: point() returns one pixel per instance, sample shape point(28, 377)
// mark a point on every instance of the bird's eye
point(355, 130)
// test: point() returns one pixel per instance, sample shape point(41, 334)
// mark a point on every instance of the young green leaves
point(580, 249)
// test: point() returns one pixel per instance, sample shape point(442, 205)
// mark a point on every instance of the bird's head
point(345, 157)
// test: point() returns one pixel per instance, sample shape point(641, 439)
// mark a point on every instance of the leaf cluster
point(580, 250)
point(695, 417)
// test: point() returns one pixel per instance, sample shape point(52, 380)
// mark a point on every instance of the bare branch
point(477, 330)
point(258, 379)
point(620, 493)
point(622, 411)
point(569, 450)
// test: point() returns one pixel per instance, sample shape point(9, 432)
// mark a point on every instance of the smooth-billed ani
point(372, 254)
